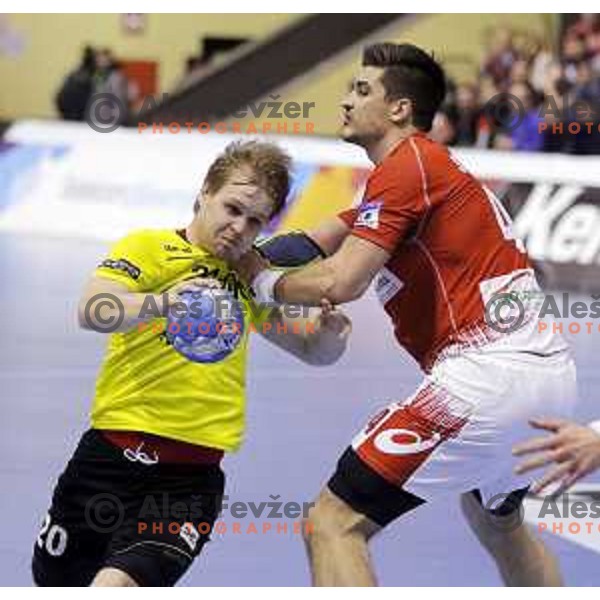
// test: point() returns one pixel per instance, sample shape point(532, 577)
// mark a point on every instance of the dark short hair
point(268, 163)
point(409, 72)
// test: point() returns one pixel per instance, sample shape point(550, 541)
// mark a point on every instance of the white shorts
point(455, 434)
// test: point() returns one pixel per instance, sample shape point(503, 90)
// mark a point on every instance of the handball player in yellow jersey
point(160, 423)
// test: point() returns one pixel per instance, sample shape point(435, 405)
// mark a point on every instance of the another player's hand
point(573, 451)
point(332, 320)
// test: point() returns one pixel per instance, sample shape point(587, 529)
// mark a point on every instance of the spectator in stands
point(584, 79)
point(520, 71)
point(486, 127)
point(108, 78)
point(585, 109)
point(541, 61)
point(521, 62)
point(587, 29)
point(77, 88)
point(527, 136)
point(573, 53)
point(467, 116)
point(556, 88)
point(501, 58)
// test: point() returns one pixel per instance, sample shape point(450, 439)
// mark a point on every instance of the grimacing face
point(230, 219)
point(366, 114)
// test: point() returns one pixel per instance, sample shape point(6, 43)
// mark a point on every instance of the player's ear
point(202, 194)
point(197, 203)
point(400, 110)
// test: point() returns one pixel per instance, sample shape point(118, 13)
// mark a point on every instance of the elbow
point(82, 319)
point(323, 355)
point(315, 359)
point(328, 361)
point(83, 315)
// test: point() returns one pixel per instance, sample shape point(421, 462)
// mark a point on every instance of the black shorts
point(149, 520)
point(369, 494)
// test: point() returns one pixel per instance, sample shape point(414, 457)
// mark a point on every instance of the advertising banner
point(64, 179)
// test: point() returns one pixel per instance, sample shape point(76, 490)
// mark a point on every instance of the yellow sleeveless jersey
point(146, 385)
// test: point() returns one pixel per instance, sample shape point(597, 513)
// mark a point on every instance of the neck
point(193, 234)
point(383, 146)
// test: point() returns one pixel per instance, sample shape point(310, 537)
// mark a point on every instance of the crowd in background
point(553, 101)
point(530, 95)
point(98, 72)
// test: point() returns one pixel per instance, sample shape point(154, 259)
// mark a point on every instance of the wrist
point(264, 285)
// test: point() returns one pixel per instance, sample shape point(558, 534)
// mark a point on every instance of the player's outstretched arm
point(572, 450)
point(319, 339)
point(329, 235)
point(340, 278)
point(299, 248)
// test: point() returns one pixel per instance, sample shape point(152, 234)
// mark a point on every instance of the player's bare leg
point(336, 540)
point(521, 558)
point(111, 577)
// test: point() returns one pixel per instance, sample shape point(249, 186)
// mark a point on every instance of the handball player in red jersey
point(450, 275)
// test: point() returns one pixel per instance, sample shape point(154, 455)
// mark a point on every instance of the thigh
point(505, 390)
point(173, 517)
point(417, 441)
point(366, 494)
point(456, 432)
point(72, 542)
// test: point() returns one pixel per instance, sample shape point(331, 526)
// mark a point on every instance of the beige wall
point(458, 40)
point(53, 44)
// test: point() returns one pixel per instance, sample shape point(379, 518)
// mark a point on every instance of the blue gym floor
point(299, 419)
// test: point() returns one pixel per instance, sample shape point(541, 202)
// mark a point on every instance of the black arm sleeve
point(290, 250)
